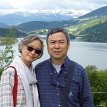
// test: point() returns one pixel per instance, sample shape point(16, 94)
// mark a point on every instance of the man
point(52, 75)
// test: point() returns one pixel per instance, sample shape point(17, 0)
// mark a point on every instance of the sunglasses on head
point(37, 51)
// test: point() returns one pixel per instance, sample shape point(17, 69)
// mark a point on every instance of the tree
point(98, 82)
point(6, 55)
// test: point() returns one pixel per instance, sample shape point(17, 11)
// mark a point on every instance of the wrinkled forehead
point(57, 36)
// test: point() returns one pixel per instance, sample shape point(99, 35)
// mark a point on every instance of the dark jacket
point(50, 85)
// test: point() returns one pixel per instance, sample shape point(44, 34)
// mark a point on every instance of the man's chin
point(57, 57)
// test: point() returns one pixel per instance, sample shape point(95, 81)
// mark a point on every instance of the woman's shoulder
point(8, 75)
point(9, 71)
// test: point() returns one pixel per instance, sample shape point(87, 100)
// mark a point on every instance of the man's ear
point(68, 45)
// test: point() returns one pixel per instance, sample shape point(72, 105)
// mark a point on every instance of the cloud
point(30, 5)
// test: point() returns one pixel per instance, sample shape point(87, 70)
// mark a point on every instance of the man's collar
point(65, 64)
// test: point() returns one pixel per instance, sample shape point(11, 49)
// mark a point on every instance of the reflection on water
point(85, 53)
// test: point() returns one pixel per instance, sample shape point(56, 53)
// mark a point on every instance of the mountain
point(40, 15)
point(36, 25)
point(49, 15)
point(93, 23)
point(81, 27)
point(4, 32)
point(39, 25)
point(96, 13)
point(96, 33)
point(2, 25)
point(94, 30)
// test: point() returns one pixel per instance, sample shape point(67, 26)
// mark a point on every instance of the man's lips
point(57, 52)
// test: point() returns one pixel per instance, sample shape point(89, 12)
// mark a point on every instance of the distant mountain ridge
point(90, 27)
point(48, 15)
point(38, 25)
point(2, 25)
point(96, 13)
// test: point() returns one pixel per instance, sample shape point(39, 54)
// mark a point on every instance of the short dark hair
point(56, 30)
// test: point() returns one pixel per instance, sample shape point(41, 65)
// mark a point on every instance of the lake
point(85, 53)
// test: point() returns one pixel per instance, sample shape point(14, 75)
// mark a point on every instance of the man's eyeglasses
point(37, 51)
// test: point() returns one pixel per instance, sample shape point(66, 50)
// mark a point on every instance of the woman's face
point(31, 51)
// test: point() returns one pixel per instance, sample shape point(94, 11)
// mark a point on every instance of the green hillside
point(40, 25)
point(91, 30)
point(5, 31)
point(77, 29)
point(96, 33)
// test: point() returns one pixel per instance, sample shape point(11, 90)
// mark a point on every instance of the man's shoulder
point(42, 64)
point(79, 70)
point(78, 67)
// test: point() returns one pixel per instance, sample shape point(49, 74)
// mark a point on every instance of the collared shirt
point(50, 85)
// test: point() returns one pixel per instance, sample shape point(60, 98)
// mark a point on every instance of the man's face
point(57, 46)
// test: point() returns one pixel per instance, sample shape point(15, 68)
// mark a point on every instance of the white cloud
point(7, 6)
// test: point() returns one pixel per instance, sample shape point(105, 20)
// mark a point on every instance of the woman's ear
point(40, 55)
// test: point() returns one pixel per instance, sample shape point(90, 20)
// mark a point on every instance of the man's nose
point(56, 44)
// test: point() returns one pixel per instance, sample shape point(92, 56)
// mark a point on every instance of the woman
point(31, 48)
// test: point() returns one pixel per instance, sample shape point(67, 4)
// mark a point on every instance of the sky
point(10, 6)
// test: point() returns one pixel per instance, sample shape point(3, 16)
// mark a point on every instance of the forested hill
point(93, 31)
point(90, 27)
point(39, 25)
point(96, 33)
point(4, 32)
